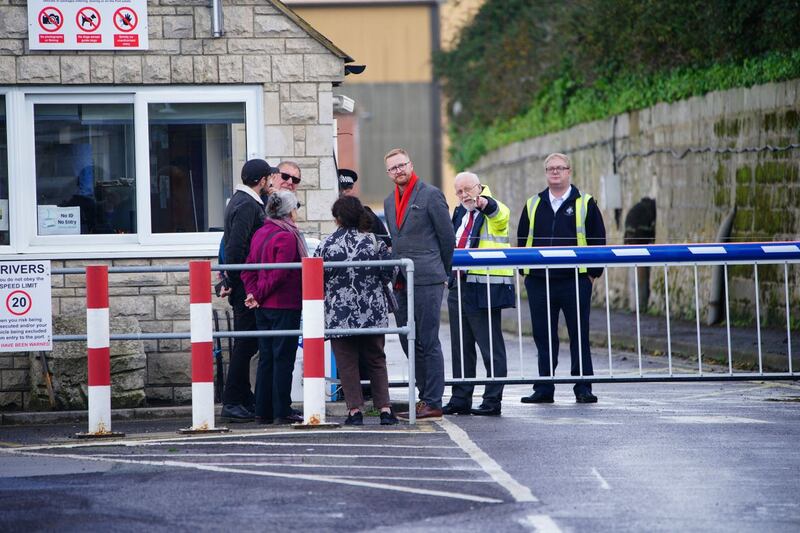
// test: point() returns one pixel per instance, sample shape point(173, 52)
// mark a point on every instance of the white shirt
point(244, 188)
point(463, 226)
point(555, 203)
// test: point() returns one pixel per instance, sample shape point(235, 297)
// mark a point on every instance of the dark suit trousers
point(428, 357)
point(237, 384)
point(275, 363)
point(562, 298)
point(475, 326)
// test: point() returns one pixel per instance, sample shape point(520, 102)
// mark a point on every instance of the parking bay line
point(293, 475)
point(329, 455)
point(519, 492)
point(350, 467)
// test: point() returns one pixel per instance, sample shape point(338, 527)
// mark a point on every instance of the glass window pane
point(4, 233)
point(194, 149)
point(85, 174)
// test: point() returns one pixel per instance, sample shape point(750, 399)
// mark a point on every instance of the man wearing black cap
point(243, 216)
point(347, 180)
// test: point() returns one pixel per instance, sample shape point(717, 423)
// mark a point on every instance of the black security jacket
point(243, 216)
point(558, 229)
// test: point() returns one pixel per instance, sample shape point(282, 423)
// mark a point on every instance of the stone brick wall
point(694, 193)
point(261, 46)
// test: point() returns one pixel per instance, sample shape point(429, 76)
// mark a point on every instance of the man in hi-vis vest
point(561, 215)
point(480, 221)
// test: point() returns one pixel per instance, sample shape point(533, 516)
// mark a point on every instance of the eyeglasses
point(287, 177)
point(550, 170)
point(465, 191)
point(397, 168)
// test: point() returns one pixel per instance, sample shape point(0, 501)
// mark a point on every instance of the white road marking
point(293, 475)
point(292, 454)
point(312, 444)
point(403, 478)
point(351, 467)
point(541, 523)
point(222, 438)
point(603, 483)
point(563, 421)
point(713, 419)
point(519, 492)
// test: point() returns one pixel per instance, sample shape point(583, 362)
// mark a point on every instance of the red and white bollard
point(313, 343)
point(200, 315)
point(98, 352)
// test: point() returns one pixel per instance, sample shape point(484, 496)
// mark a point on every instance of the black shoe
point(355, 419)
point(585, 397)
point(236, 413)
point(455, 410)
point(291, 418)
point(537, 397)
point(388, 419)
point(484, 410)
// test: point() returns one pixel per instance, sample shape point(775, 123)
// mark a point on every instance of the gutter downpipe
point(216, 19)
point(717, 296)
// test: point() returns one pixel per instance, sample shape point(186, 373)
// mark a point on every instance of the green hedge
point(568, 101)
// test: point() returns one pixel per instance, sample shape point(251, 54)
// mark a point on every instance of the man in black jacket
point(243, 216)
point(561, 216)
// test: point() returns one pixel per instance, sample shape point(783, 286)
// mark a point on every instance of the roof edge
point(312, 32)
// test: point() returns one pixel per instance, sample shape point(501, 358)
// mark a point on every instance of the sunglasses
point(287, 177)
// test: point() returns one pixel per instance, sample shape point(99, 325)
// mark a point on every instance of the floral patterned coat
point(354, 296)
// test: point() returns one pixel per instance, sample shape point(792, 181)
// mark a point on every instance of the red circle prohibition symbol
point(87, 19)
point(22, 301)
point(125, 19)
point(50, 15)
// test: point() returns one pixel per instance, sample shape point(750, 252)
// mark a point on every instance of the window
point(5, 235)
point(85, 173)
point(193, 149)
point(122, 171)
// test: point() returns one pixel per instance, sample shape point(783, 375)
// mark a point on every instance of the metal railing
point(609, 257)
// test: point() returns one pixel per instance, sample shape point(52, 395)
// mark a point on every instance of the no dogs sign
point(87, 24)
point(26, 319)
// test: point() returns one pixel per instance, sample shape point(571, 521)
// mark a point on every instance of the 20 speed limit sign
point(26, 321)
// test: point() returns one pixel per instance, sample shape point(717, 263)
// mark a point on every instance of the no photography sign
point(26, 318)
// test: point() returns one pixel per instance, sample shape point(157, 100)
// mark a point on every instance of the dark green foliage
point(527, 67)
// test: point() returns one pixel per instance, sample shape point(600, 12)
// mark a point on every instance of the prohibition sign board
point(18, 303)
point(50, 16)
point(88, 19)
point(125, 19)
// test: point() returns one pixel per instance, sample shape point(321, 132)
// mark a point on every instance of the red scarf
point(401, 201)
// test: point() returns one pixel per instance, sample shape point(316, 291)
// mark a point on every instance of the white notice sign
point(26, 317)
point(87, 24)
point(54, 220)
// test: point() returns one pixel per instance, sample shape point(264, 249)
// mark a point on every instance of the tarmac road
point(648, 457)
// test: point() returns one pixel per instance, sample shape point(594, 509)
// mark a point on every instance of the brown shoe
point(429, 413)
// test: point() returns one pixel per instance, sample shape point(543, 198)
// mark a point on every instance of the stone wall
point(158, 301)
point(694, 190)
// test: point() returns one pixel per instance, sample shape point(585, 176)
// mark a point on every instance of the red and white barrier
point(313, 342)
point(98, 350)
point(202, 346)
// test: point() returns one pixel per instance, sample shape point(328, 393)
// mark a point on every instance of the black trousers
point(275, 363)
point(237, 384)
point(475, 326)
point(562, 299)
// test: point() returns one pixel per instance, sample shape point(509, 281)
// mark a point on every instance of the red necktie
point(462, 242)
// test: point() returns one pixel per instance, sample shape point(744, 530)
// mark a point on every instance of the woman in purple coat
point(276, 295)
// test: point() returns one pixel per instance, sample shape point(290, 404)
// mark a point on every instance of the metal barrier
point(202, 335)
point(689, 256)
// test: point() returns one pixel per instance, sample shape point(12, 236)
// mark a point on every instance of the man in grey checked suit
point(419, 223)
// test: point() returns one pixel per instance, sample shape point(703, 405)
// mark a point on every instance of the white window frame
point(22, 189)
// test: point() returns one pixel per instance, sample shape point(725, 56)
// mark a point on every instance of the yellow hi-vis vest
point(494, 234)
point(581, 207)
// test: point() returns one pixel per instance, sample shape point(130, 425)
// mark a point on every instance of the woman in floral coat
point(355, 299)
